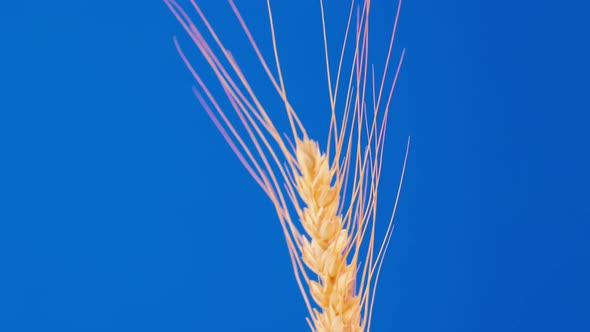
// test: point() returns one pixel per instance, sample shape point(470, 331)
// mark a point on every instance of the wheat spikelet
point(324, 248)
point(326, 201)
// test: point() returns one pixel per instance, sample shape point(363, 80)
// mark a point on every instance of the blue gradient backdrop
point(122, 209)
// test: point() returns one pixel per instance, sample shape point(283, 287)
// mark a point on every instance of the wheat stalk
point(326, 201)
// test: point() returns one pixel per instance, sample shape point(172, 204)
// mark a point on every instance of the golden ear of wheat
point(326, 202)
point(324, 246)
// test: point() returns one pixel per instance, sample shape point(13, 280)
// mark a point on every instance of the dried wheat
point(326, 200)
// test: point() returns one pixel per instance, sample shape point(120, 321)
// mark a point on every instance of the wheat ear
point(326, 244)
point(326, 201)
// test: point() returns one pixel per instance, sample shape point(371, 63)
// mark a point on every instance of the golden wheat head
point(325, 198)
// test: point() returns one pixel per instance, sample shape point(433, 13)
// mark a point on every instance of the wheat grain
point(326, 201)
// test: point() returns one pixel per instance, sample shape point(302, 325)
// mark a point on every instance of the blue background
point(122, 209)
